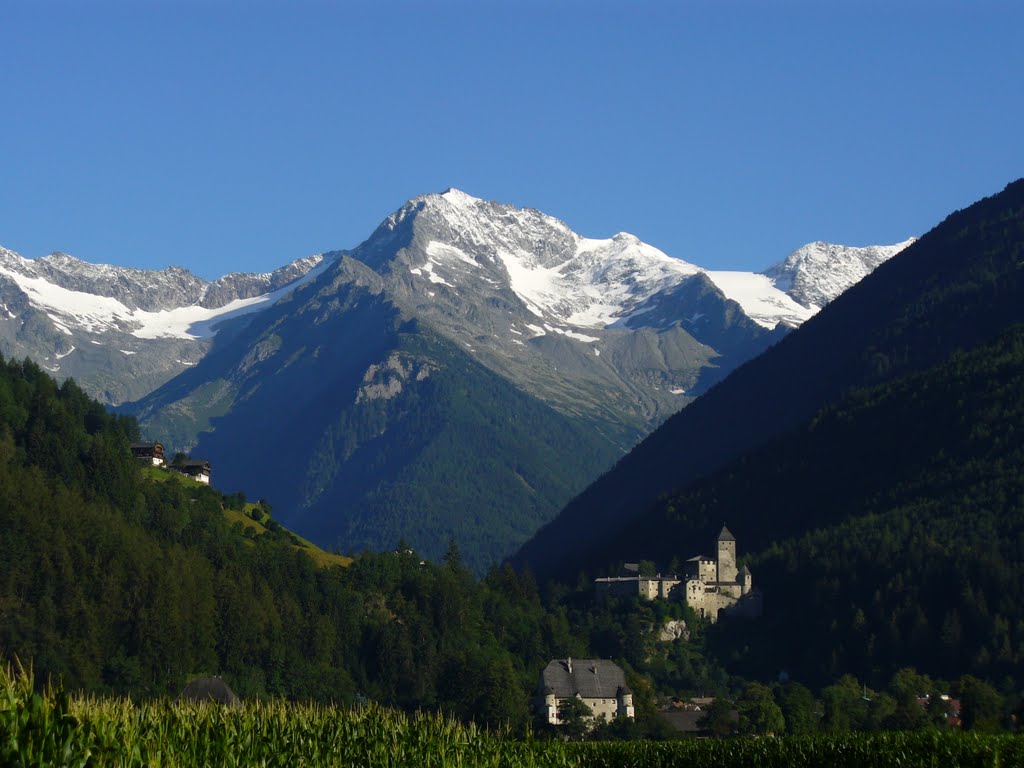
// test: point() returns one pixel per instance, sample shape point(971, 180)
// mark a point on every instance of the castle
point(709, 586)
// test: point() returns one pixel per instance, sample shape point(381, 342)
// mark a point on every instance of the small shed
point(210, 689)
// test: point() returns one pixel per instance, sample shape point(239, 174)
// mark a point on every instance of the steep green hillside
point(960, 285)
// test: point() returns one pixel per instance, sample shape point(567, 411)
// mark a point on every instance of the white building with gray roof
point(598, 683)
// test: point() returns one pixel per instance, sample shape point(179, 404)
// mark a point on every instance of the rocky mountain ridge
point(121, 332)
point(61, 311)
point(818, 272)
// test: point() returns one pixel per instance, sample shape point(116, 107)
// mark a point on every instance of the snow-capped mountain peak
point(818, 272)
point(572, 281)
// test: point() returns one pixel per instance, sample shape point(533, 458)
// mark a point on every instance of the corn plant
point(51, 728)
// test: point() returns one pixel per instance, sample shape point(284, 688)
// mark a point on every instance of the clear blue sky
point(235, 135)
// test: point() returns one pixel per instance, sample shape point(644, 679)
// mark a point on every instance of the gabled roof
point(590, 678)
point(196, 465)
point(725, 535)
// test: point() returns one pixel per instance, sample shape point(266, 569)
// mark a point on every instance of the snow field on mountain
point(96, 314)
point(761, 301)
point(570, 280)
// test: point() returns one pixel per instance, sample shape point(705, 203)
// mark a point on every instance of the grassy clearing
point(322, 558)
point(53, 728)
point(245, 518)
point(234, 516)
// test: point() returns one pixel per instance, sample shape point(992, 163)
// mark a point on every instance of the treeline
point(909, 702)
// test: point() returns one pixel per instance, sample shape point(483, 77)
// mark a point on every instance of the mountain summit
point(818, 272)
point(570, 280)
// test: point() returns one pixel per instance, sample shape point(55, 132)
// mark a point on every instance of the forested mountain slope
point(960, 285)
point(887, 532)
point(114, 582)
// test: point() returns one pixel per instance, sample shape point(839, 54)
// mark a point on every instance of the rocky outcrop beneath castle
point(673, 631)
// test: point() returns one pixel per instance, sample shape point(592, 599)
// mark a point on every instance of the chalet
point(598, 683)
point(149, 453)
point(197, 469)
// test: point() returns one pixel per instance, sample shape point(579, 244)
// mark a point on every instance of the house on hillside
point(710, 585)
point(598, 683)
point(197, 469)
point(149, 453)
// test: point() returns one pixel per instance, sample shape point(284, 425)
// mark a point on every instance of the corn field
point(55, 729)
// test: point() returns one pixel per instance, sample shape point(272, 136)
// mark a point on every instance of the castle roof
point(725, 535)
point(745, 570)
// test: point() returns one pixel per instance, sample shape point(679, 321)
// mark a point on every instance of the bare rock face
point(673, 631)
point(383, 381)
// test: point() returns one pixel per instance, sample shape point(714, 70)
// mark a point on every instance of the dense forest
point(894, 536)
point(115, 582)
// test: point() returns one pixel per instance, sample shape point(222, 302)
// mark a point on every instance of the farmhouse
point(598, 683)
point(709, 585)
point(149, 453)
point(197, 469)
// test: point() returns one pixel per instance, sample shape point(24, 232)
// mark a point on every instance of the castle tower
point(746, 581)
point(726, 557)
point(624, 698)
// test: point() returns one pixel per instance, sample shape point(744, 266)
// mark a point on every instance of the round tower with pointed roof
point(726, 557)
point(746, 581)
